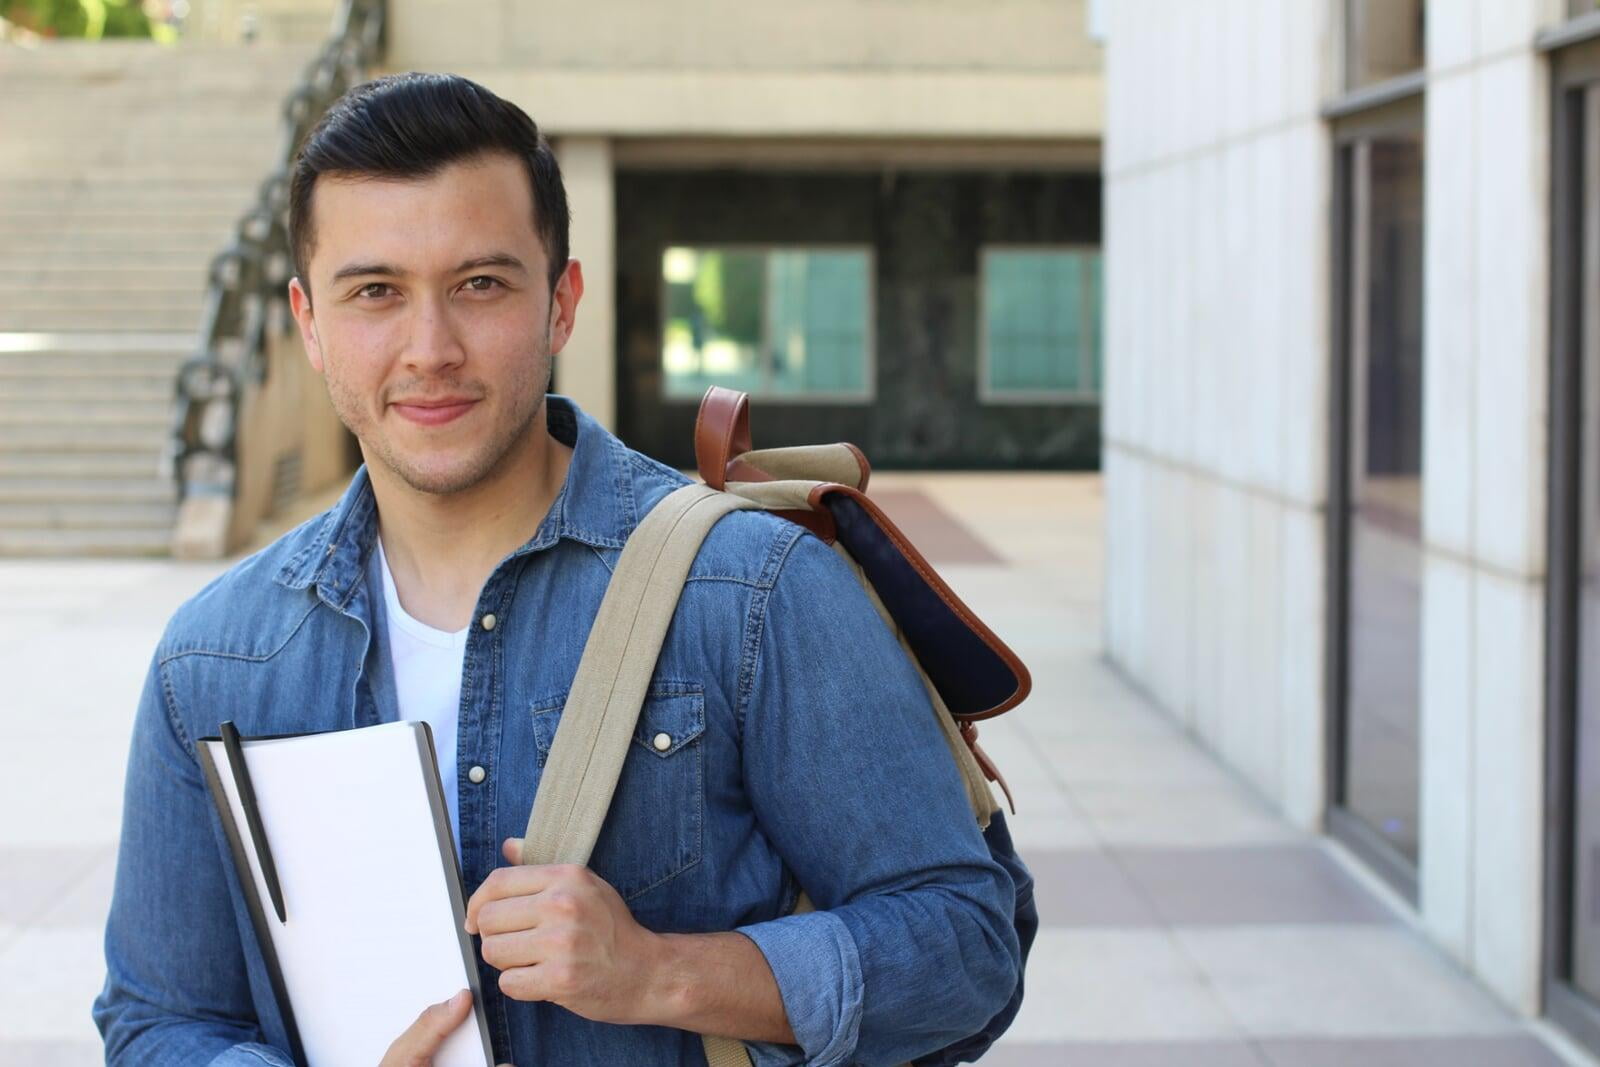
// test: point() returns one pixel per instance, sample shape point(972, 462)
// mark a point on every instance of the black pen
point(247, 799)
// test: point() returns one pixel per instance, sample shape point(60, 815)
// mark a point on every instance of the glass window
point(1041, 323)
point(774, 322)
point(1383, 39)
point(1382, 496)
point(1582, 7)
point(1583, 332)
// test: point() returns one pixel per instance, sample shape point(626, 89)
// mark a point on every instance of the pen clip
point(252, 814)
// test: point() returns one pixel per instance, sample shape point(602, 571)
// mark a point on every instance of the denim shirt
point(804, 753)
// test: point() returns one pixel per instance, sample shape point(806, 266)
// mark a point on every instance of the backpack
point(969, 674)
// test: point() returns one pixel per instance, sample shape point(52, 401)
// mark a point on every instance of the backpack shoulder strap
point(602, 710)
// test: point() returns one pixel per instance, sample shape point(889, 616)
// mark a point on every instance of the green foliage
point(92, 19)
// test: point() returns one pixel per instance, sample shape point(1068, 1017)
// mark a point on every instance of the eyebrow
point(494, 259)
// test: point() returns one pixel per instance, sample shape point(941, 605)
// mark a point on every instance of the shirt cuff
point(252, 1055)
point(818, 969)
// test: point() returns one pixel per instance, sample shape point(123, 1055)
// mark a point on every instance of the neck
point(442, 548)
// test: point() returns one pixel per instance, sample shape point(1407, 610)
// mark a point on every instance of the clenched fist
point(562, 934)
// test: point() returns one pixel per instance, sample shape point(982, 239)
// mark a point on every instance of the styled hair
point(413, 126)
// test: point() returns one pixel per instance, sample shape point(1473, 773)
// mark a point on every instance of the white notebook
point(358, 832)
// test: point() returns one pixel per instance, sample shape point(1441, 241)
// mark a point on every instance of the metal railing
point(247, 294)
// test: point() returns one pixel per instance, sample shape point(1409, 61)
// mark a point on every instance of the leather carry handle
point(721, 434)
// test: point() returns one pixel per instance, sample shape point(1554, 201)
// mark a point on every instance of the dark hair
point(412, 126)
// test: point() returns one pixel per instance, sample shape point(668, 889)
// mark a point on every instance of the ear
point(564, 312)
point(300, 305)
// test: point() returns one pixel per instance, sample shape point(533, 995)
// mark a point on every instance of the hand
point(562, 934)
point(415, 1047)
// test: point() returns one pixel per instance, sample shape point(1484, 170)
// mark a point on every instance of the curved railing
point(247, 294)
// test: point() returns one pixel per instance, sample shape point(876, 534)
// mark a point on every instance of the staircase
point(123, 167)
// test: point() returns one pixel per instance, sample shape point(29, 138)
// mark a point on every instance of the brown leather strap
point(991, 770)
point(721, 433)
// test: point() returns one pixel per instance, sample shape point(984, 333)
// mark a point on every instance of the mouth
point(434, 412)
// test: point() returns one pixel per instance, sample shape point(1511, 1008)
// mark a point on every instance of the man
point(785, 742)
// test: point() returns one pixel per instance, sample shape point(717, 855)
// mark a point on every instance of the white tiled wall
point(1218, 173)
point(1217, 201)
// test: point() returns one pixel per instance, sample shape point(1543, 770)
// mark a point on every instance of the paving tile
point(48, 980)
point(1119, 1054)
point(1048, 822)
point(34, 878)
point(1269, 884)
point(54, 1053)
point(937, 534)
point(1186, 817)
point(1520, 1050)
point(1116, 985)
point(1085, 887)
point(1338, 981)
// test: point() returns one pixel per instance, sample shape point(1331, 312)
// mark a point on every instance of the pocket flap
point(673, 715)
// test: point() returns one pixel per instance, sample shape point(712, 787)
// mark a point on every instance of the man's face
point(433, 322)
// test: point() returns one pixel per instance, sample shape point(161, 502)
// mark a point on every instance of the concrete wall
point(1216, 186)
point(766, 68)
point(1484, 461)
point(1218, 175)
point(823, 83)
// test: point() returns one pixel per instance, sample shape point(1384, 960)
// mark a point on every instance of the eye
point(373, 290)
point(489, 284)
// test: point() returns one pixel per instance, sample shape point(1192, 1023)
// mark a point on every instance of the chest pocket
point(655, 829)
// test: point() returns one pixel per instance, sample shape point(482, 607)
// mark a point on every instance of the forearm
point(716, 984)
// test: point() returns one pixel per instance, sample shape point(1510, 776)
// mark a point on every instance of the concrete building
point(881, 220)
point(1351, 448)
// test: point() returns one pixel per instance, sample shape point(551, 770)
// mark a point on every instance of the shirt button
point(489, 621)
point(662, 742)
point(476, 775)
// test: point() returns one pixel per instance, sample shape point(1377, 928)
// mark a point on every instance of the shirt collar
point(595, 506)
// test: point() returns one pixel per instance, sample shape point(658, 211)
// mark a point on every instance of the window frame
point(1349, 59)
point(869, 391)
point(987, 394)
point(1392, 114)
point(1574, 132)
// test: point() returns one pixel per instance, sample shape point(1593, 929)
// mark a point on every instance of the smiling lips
point(434, 412)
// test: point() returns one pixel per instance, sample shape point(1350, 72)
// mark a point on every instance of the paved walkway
point(1184, 924)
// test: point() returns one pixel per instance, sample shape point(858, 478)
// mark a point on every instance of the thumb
point(415, 1047)
point(439, 1021)
point(512, 850)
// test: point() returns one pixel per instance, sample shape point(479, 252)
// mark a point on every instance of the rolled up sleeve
point(814, 959)
point(912, 946)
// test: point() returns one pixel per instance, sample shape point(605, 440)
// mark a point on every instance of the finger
point(423, 1037)
point(519, 948)
point(511, 849)
point(511, 913)
point(516, 882)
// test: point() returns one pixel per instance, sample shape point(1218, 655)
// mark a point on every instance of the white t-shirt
point(427, 679)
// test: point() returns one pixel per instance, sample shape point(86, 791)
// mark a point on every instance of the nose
point(434, 344)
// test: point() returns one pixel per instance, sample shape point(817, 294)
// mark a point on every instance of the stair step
point(92, 466)
point(61, 298)
point(142, 220)
point(99, 391)
point(31, 410)
point(23, 415)
point(88, 515)
point(127, 257)
point(61, 365)
point(56, 438)
point(34, 490)
point(52, 320)
point(48, 543)
point(141, 277)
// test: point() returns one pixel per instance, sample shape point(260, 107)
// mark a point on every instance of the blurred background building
point(881, 220)
point(1352, 439)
